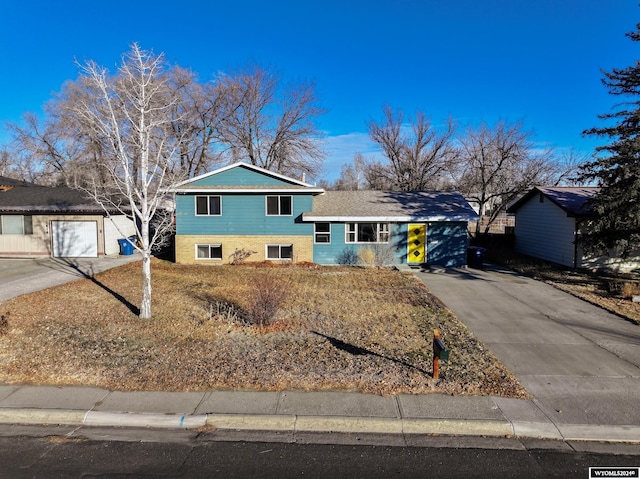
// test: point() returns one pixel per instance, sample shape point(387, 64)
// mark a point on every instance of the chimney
point(304, 177)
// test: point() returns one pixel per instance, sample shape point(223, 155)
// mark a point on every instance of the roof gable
point(371, 205)
point(573, 200)
point(242, 176)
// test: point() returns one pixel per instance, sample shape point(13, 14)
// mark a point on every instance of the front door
point(416, 242)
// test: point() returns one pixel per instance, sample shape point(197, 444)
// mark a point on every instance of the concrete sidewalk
point(297, 413)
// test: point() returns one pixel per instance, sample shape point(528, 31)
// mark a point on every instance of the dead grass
point(337, 328)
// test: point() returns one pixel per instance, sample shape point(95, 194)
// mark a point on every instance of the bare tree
point(131, 118)
point(418, 155)
point(498, 163)
point(352, 175)
point(197, 118)
point(269, 124)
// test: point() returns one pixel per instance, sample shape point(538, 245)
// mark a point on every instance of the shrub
point(367, 256)
point(239, 256)
point(349, 256)
point(630, 289)
point(269, 294)
point(378, 255)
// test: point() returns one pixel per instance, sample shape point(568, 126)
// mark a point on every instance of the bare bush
point(378, 255)
point(630, 289)
point(225, 312)
point(269, 295)
point(239, 256)
point(348, 257)
point(367, 256)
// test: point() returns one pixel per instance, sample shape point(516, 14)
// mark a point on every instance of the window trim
point(26, 223)
point(195, 204)
point(316, 233)
point(210, 245)
point(279, 246)
point(266, 205)
point(381, 230)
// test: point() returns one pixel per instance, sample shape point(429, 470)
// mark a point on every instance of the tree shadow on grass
point(358, 351)
point(87, 272)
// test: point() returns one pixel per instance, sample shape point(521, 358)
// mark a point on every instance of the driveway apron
point(22, 276)
point(581, 363)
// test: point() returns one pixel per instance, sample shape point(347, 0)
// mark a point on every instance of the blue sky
point(474, 60)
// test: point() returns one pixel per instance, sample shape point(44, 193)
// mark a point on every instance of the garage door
point(75, 239)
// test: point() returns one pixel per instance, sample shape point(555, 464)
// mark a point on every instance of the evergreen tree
point(614, 218)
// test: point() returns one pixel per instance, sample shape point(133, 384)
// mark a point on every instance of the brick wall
point(186, 250)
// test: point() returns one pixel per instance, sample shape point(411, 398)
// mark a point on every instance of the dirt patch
point(360, 329)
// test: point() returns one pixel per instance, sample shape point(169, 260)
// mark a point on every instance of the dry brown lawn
point(337, 328)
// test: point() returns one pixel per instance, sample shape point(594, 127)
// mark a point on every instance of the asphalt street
point(204, 456)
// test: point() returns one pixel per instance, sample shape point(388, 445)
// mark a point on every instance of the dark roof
point(6, 181)
point(572, 199)
point(26, 197)
point(390, 206)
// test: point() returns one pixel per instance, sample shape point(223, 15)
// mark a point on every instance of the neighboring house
point(244, 207)
point(40, 221)
point(548, 225)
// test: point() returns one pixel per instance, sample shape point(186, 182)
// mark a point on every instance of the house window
point(279, 206)
point(209, 251)
point(279, 251)
point(16, 225)
point(208, 206)
point(322, 233)
point(367, 233)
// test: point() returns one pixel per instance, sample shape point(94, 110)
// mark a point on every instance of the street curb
point(324, 424)
point(160, 421)
point(41, 416)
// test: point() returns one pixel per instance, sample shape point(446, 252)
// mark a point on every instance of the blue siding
point(331, 253)
point(240, 176)
point(242, 214)
point(447, 244)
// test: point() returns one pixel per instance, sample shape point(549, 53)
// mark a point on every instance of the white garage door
point(75, 239)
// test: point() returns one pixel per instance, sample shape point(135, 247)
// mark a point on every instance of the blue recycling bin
point(126, 248)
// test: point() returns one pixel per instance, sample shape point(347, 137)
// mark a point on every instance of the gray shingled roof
point(22, 197)
point(390, 206)
point(572, 199)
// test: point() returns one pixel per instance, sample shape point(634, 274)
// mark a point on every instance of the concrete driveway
point(580, 362)
point(21, 276)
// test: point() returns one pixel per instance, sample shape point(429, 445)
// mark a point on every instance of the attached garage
point(57, 221)
point(74, 239)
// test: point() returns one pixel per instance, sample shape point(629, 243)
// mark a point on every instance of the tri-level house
point(277, 218)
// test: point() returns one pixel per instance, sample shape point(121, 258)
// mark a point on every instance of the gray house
point(548, 225)
point(38, 221)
